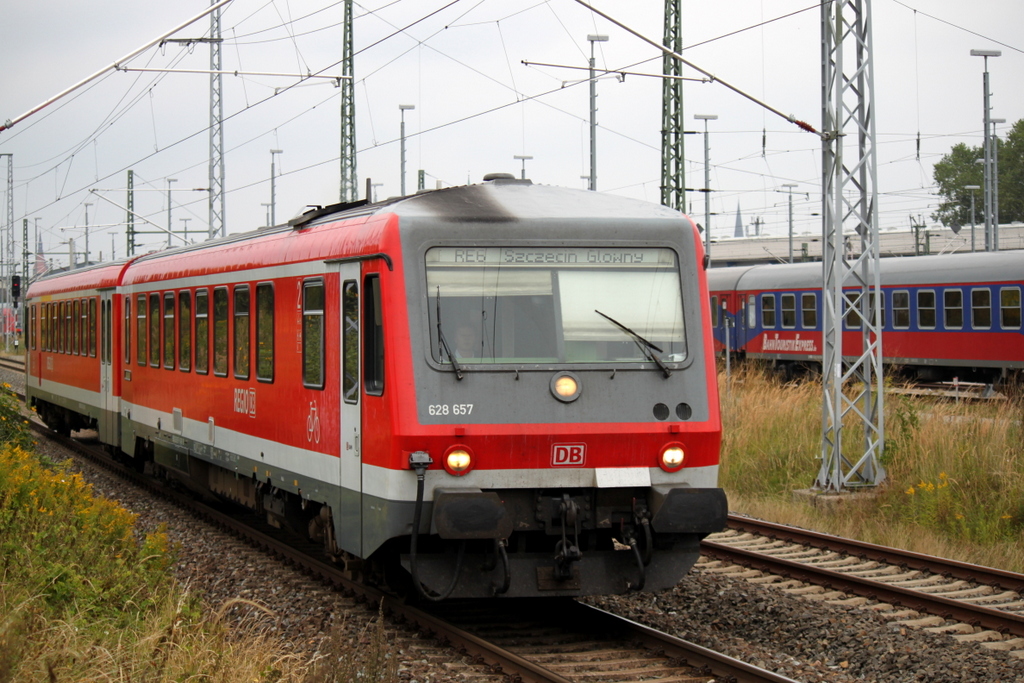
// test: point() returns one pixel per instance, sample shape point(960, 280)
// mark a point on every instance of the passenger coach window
point(127, 329)
point(373, 336)
point(265, 332)
point(714, 311)
point(169, 330)
point(751, 312)
point(44, 328)
point(953, 308)
point(202, 331)
point(241, 331)
point(92, 327)
point(74, 322)
point(981, 309)
point(1009, 308)
point(809, 310)
point(185, 330)
point(313, 334)
point(901, 310)
point(789, 310)
point(926, 310)
point(350, 341)
point(70, 336)
point(154, 330)
point(140, 329)
point(767, 311)
point(220, 331)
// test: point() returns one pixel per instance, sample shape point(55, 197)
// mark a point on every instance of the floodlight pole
point(707, 180)
point(593, 111)
point(403, 108)
point(273, 186)
point(789, 191)
point(972, 188)
point(987, 145)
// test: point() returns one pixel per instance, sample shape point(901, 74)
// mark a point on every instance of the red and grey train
point(498, 389)
point(955, 315)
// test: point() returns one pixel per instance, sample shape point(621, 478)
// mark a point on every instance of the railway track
point(557, 641)
point(967, 601)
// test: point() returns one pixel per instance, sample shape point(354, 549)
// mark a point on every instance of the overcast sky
point(476, 104)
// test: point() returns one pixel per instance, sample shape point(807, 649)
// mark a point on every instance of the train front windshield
point(518, 305)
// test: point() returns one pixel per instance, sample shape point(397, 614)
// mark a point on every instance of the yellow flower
point(959, 516)
point(910, 491)
point(1006, 517)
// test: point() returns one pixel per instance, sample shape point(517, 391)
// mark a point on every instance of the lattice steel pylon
point(673, 181)
point(216, 228)
point(349, 186)
point(852, 378)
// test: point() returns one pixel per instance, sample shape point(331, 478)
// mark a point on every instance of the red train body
point(501, 389)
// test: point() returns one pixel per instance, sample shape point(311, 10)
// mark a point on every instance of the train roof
point(947, 269)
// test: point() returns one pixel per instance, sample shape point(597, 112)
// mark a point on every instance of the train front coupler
point(567, 552)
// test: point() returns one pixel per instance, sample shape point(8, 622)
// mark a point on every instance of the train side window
point(241, 324)
point(69, 328)
point(220, 331)
point(926, 309)
point(44, 328)
point(154, 329)
point(953, 308)
point(185, 330)
point(202, 331)
point(714, 311)
point(140, 329)
point(59, 324)
point(789, 311)
point(350, 341)
point(901, 310)
point(751, 312)
point(373, 336)
point(851, 299)
point(1009, 308)
point(809, 310)
point(313, 334)
point(75, 323)
point(127, 329)
point(169, 330)
point(83, 340)
point(767, 311)
point(981, 309)
point(92, 327)
point(105, 325)
point(881, 308)
point(265, 332)
point(32, 327)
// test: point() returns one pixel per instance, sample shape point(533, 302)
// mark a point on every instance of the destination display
point(561, 256)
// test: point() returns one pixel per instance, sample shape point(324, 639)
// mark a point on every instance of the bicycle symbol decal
point(313, 424)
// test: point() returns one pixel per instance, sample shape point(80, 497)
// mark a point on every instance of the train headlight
point(458, 460)
point(672, 457)
point(565, 386)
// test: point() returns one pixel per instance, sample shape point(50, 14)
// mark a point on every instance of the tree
point(959, 168)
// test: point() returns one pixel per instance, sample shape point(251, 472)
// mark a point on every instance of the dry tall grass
point(955, 471)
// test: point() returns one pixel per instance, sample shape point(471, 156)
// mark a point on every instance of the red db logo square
point(568, 454)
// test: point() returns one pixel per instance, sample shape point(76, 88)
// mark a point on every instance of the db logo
point(568, 454)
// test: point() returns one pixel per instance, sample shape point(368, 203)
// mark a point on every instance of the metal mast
point(673, 183)
point(216, 131)
point(349, 189)
point(851, 281)
point(7, 250)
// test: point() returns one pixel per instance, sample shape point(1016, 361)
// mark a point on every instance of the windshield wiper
point(441, 340)
point(646, 347)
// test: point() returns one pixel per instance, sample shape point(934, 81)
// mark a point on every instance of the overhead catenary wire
point(11, 122)
point(675, 55)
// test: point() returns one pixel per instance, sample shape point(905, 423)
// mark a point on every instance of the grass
point(955, 471)
point(85, 597)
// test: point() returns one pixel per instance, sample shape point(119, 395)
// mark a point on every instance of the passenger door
point(109, 403)
point(351, 412)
